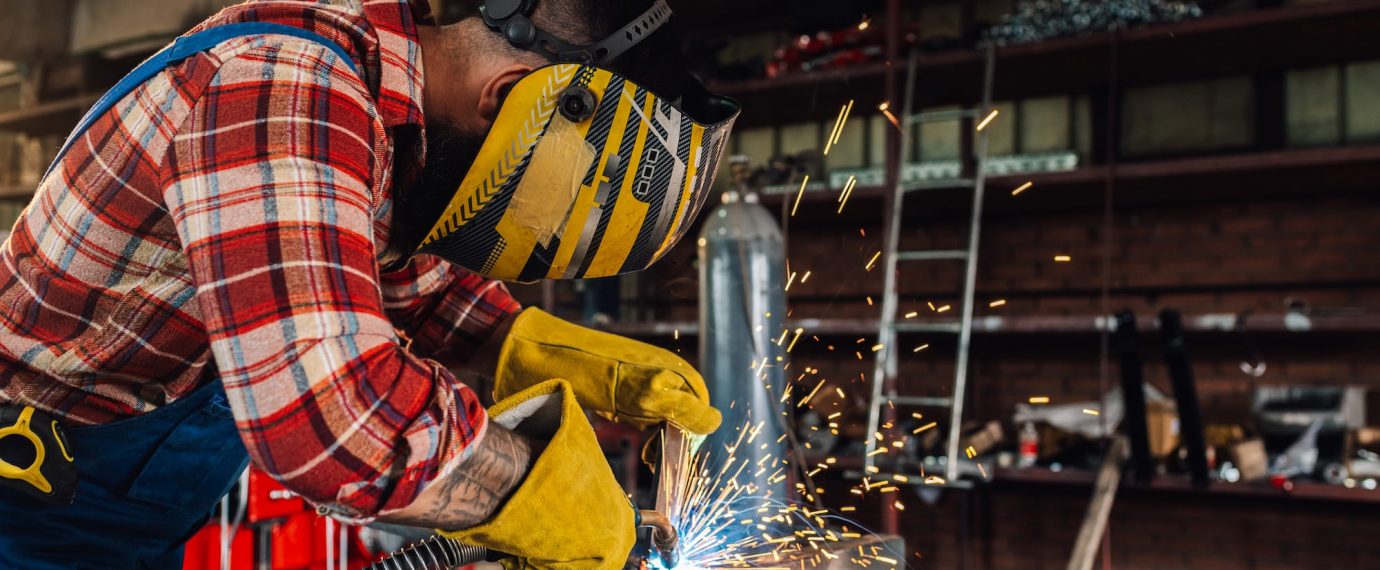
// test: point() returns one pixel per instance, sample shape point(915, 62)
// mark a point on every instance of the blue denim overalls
point(149, 482)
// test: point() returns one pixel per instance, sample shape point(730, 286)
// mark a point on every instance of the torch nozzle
point(664, 537)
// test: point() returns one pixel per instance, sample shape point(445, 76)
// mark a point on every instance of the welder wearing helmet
point(276, 239)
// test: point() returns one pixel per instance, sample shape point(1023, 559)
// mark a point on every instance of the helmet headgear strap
point(512, 19)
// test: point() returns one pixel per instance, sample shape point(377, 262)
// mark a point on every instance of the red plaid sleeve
point(446, 310)
point(272, 182)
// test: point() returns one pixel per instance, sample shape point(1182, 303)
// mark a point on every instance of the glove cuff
point(569, 509)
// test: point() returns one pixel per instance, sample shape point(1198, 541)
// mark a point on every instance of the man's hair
point(655, 63)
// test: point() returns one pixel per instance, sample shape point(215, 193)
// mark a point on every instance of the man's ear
point(496, 89)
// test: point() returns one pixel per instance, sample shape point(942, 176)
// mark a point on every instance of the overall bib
point(147, 483)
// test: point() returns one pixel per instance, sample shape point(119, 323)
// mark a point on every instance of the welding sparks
point(924, 427)
point(1062, 259)
point(885, 108)
point(727, 517)
point(1039, 399)
point(838, 127)
point(847, 191)
point(921, 347)
point(1022, 188)
point(798, 195)
point(997, 303)
point(988, 119)
point(864, 24)
point(873, 261)
point(1090, 411)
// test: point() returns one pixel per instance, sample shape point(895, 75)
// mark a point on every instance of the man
point(235, 250)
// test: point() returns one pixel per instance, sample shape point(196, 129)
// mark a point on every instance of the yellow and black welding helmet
point(584, 173)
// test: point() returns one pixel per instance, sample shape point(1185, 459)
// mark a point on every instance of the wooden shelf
point(1177, 484)
point(1216, 46)
point(16, 192)
point(1205, 323)
point(50, 118)
point(1303, 490)
point(1194, 179)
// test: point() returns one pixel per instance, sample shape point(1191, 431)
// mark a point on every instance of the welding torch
point(437, 552)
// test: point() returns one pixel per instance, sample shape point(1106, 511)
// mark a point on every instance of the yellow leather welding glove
point(618, 378)
point(569, 512)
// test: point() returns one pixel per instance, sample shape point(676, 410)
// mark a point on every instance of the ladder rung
point(933, 254)
point(922, 401)
point(939, 184)
point(929, 327)
point(939, 116)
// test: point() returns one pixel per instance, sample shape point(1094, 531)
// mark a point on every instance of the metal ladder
point(885, 368)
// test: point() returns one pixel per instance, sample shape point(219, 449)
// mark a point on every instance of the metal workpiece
point(742, 311)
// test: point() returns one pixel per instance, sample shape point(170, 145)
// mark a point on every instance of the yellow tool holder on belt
point(35, 458)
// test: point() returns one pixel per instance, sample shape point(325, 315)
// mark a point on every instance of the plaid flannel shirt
point(226, 222)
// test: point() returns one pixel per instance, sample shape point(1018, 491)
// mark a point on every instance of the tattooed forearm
point(476, 489)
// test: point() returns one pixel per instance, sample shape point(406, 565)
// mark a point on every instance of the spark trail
point(723, 508)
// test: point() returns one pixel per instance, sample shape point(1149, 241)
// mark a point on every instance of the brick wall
point(1027, 527)
point(1212, 257)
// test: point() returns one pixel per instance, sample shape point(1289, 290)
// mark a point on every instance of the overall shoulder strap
point(182, 48)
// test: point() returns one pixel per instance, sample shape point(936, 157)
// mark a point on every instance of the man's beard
point(450, 152)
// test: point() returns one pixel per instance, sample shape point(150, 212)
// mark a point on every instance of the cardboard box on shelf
point(1250, 458)
point(984, 439)
point(1162, 424)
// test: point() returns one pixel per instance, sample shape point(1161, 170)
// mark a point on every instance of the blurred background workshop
point(1021, 284)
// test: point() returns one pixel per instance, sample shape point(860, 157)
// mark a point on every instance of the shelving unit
point(1175, 484)
point(1216, 46)
point(48, 118)
point(1228, 176)
point(1302, 491)
point(1205, 323)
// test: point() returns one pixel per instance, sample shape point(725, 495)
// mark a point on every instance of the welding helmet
point(584, 173)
